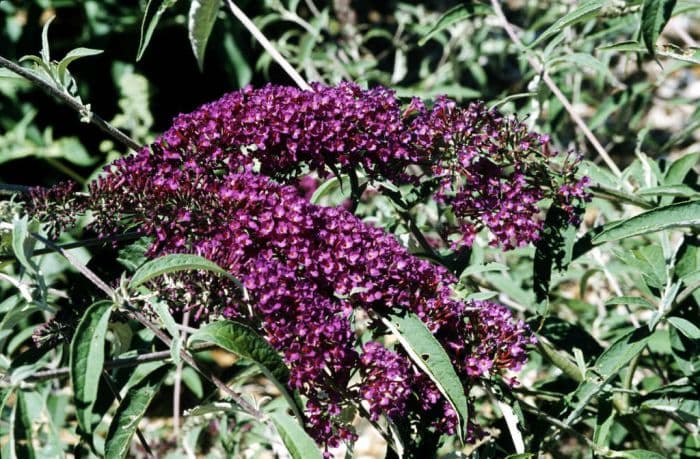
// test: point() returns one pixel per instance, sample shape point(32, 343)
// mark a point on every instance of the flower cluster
point(285, 128)
point(386, 380)
point(214, 185)
point(492, 171)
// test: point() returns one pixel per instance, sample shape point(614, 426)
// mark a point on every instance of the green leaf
point(130, 411)
point(488, 267)
point(163, 311)
point(237, 63)
point(145, 37)
point(297, 441)
point(605, 419)
point(672, 216)
point(681, 191)
point(585, 61)
point(23, 244)
point(193, 381)
point(7, 73)
point(243, 341)
point(639, 454)
point(678, 170)
point(175, 263)
point(624, 46)
point(655, 15)
point(585, 11)
point(622, 351)
point(452, 16)
point(21, 425)
point(610, 362)
point(686, 327)
point(328, 187)
point(453, 91)
point(560, 360)
point(87, 359)
point(73, 55)
point(201, 22)
point(428, 354)
point(639, 301)
point(45, 53)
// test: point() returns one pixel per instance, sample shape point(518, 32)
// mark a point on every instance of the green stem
point(620, 196)
point(560, 360)
point(627, 384)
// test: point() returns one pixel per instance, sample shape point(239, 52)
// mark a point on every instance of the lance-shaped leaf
point(655, 15)
point(584, 12)
point(686, 327)
point(175, 263)
point(201, 22)
point(147, 32)
point(678, 170)
point(243, 341)
point(453, 16)
point(20, 438)
point(674, 216)
point(298, 442)
point(87, 355)
point(610, 362)
point(130, 411)
point(73, 55)
point(429, 355)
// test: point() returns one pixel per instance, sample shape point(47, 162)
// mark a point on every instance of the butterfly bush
point(223, 183)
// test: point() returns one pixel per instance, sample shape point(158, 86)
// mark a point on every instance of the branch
point(262, 39)
point(7, 188)
point(539, 68)
point(118, 363)
point(69, 100)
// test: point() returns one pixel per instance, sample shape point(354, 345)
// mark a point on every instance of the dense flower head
point(285, 128)
point(492, 171)
point(387, 384)
point(223, 183)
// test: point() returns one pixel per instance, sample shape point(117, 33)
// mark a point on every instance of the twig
point(118, 363)
point(8, 188)
point(262, 39)
point(539, 68)
point(48, 88)
point(177, 386)
point(312, 7)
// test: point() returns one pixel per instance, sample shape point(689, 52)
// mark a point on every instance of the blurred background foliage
point(640, 99)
